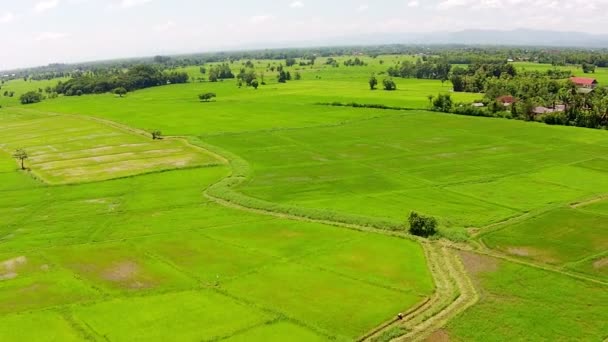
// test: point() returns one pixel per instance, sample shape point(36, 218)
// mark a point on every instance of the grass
point(185, 316)
point(468, 172)
point(558, 237)
point(524, 303)
point(152, 246)
point(68, 149)
point(27, 327)
point(110, 235)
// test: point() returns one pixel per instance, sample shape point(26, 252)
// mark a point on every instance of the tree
point(421, 225)
point(588, 68)
point(255, 84)
point(389, 84)
point(157, 135)
point(290, 62)
point(443, 103)
point(21, 155)
point(120, 91)
point(298, 76)
point(373, 82)
point(430, 97)
point(206, 97)
point(283, 77)
point(31, 97)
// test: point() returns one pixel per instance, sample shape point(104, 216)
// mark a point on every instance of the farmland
point(268, 213)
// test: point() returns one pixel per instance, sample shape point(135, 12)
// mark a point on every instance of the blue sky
point(38, 32)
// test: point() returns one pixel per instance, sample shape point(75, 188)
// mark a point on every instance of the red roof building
point(506, 100)
point(584, 82)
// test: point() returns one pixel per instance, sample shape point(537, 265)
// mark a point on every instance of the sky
point(38, 32)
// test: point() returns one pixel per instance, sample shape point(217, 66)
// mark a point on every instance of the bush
point(420, 225)
point(389, 84)
point(206, 97)
point(443, 103)
point(31, 97)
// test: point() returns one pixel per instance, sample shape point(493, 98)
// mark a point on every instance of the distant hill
point(518, 37)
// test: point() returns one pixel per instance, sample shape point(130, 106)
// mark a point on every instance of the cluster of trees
point(588, 68)
point(284, 76)
point(452, 54)
point(31, 97)
point(535, 97)
point(420, 225)
point(435, 69)
point(473, 79)
point(354, 62)
point(388, 83)
point(138, 77)
point(220, 72)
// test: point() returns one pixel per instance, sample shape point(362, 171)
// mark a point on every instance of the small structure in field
point(506, 100)
point(545, 110)
point(584, 84)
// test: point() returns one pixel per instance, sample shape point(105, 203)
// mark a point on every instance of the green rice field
point(268, 215)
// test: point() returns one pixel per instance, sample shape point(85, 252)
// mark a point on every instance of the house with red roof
point(584, 82)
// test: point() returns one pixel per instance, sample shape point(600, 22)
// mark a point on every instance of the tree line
point(137, 77)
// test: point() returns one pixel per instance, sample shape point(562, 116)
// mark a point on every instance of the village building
point(585, 85)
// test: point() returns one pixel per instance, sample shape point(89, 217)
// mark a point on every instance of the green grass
point(558, 237)
point(151, 245)
point(468, 172)
point(121, 247)
point(277, 332)
point(185, 316)
point(45, 326)
point(68, 149)
point(601, 74)
point(524, 303)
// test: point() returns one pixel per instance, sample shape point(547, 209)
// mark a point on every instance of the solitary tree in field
point(31, 97)
point(373, 82)
point(206, 97)
point(389, 84)
point(120, 91)
point(255, 84)
point(21, 155)
point(157, 135)
point(421, 225)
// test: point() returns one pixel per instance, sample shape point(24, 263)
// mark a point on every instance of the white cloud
point(258, 19)
point(166, 26)
point(413, 4)
point(46, 5)
point(296, 4)
point(6, 18)
point(132, 3)
point(362, 8)
point(47, 36)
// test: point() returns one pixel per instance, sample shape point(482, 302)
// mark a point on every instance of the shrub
point(421, 225)
point(389, 84)
point(31, 97)
point(206, 97)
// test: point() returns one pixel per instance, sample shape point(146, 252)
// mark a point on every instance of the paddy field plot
point(468, 172)
point(524, 303)
point(68, 149)
point(78, 256)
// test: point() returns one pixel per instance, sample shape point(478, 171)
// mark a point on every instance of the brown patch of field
point(125, 273)
point(475, 263)
point(9, 267)
point(439, 336)
point(531, 253)
point(600, 263)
